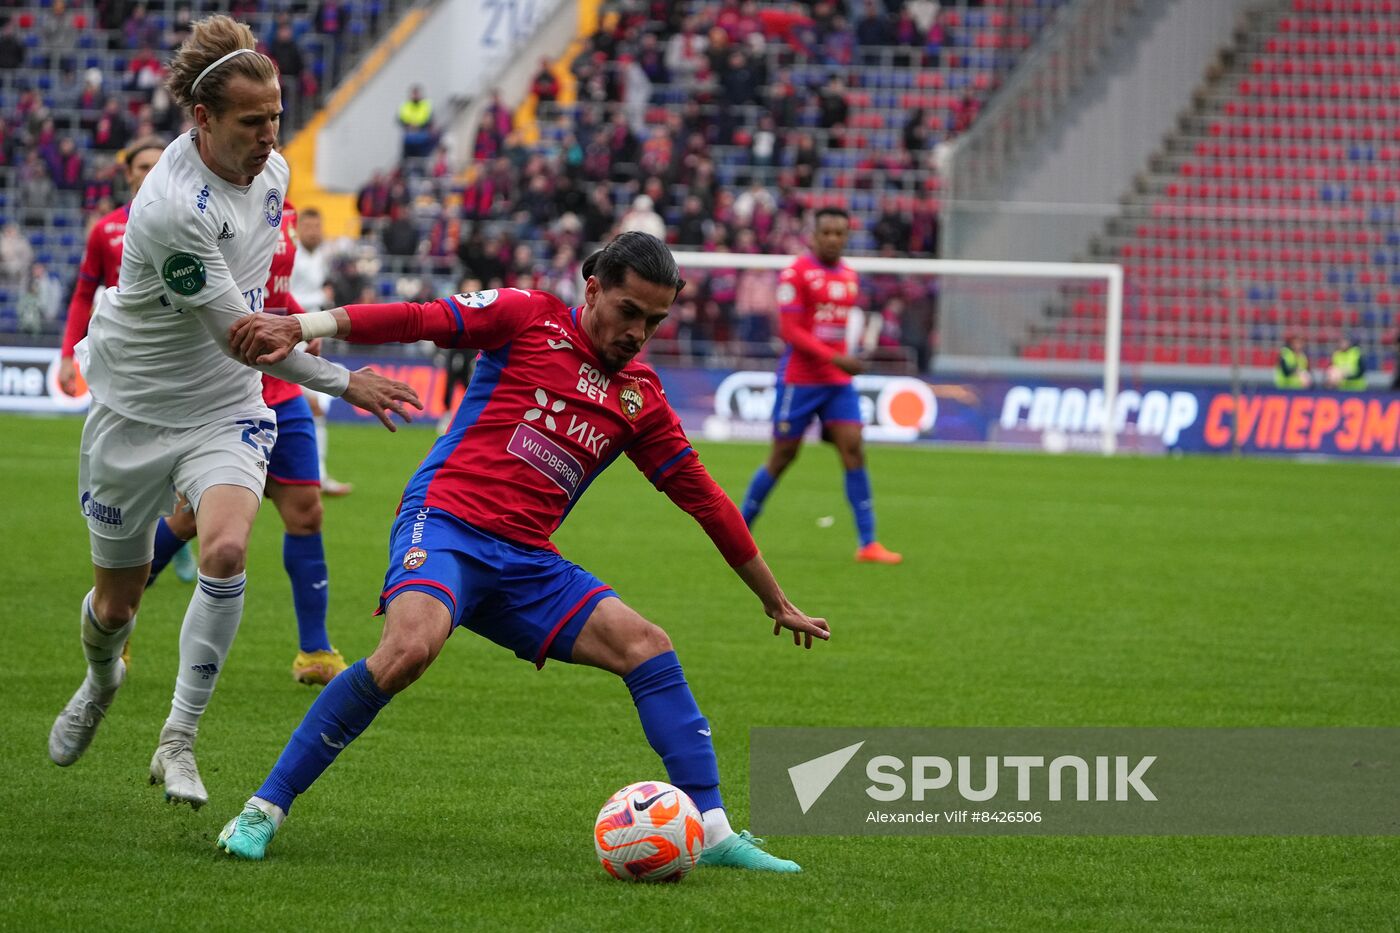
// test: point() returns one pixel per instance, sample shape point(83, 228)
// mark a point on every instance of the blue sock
point(675, 728)
point(167, 546)
point(305, 560)
point(862, 504)
point(341, 712)
point(759, 488)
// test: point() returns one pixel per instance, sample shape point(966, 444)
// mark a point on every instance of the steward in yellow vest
point(1291, 370)
point(1348, 369)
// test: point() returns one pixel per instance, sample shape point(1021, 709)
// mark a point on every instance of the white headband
point(217, 62)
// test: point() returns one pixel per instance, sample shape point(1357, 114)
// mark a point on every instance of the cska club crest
point(415, 558)
point(631, 401)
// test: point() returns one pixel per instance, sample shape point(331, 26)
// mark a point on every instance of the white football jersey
point(195, 255)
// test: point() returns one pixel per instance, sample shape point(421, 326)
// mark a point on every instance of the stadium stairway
point(1273, 209)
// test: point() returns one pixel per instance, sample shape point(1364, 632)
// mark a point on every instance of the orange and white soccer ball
point(649, 831)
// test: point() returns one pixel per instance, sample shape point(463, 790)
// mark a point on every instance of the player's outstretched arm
point(266, 339)
point(259, 342)
point(691, 487)
point(755, 573)
point(262, 341)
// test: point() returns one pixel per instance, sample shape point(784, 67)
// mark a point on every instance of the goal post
point(1111, 274)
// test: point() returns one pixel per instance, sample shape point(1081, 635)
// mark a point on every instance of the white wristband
point(317, 324)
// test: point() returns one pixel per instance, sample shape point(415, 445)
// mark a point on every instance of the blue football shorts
point(295, 460)
point(527, 599)
point(796, 406)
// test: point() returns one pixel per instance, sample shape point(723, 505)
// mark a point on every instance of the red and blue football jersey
point(279, 296)
point(814, 300)
point(542, 418)
point(101, 267)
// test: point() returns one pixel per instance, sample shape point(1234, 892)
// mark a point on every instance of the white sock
point(101, 647)
point(268, 807)
point(320, 421)
point(206, 636)
point(716, 823)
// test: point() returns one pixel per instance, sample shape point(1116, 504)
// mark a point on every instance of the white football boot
point(173, 764)
point(74, 728)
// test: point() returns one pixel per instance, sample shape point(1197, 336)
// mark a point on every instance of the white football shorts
point(128, 470)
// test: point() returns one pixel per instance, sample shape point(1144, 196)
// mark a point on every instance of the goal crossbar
point(1110, 273)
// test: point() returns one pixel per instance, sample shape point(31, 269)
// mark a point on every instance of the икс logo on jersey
point(542, 400)
point(579, 429)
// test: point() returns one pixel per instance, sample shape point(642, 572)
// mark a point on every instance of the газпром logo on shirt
point(184, 274)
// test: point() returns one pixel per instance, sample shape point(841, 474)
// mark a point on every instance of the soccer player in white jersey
point(171, 407)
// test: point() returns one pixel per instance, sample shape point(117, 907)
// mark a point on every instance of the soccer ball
point(649, 831)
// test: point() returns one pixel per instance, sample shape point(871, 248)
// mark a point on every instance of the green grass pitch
point(1037, 591)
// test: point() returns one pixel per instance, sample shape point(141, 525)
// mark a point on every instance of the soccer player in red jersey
point(558, 395)
point(816, 295)
point(293, 485)
point(102, 257)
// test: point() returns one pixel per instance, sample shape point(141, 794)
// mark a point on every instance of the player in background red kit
point(557, 396)
point(102, 257)
point(816, 296)
point(293, 485)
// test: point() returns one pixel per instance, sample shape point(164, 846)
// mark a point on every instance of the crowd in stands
point(78, 81)
point(717, 125)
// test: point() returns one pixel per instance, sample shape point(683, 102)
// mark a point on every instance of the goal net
point(987, 314)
